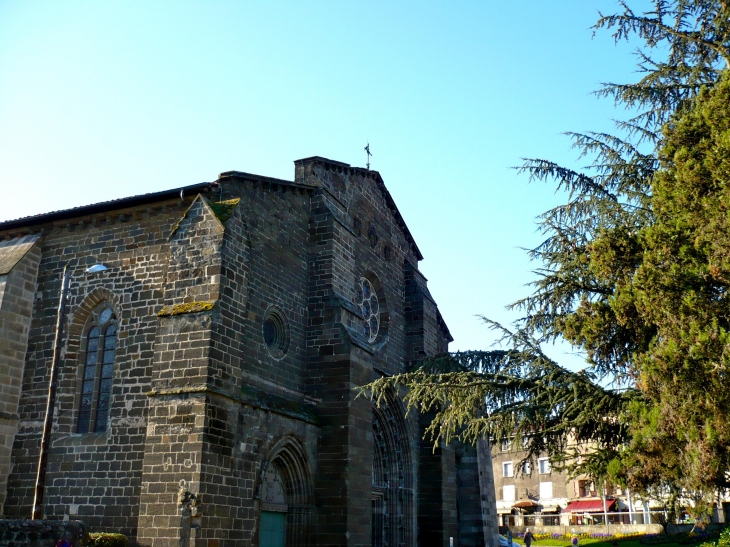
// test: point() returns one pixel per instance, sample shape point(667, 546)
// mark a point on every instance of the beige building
point(535, 494)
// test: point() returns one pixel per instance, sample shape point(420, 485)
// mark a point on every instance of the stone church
point(206, 389)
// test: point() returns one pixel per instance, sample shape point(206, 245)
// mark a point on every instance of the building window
point(507, 470)
point(506, 445)
point(370, 307)
point(99, 347)
point(543, 465)
point(546, 490)
point(508, 492)
point(585, 489)
point(275, 330)
point(526, 468)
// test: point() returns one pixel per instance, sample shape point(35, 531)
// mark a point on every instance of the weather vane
point(367, 150)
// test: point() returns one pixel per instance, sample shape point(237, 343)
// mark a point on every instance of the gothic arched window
point(368, 302)
point(99, 345)
point(392, 479)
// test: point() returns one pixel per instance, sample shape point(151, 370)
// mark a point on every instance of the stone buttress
point(181, 381)
point(19, 259)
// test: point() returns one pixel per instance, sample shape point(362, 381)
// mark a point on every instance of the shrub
point(722, 541)
point(654, 539)
point(107, 540)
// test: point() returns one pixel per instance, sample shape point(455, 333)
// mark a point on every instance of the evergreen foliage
point(634, 273)
point(681, 287)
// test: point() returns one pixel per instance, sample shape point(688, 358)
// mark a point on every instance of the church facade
point(207, 383)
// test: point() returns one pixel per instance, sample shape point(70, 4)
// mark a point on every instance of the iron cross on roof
point(367, 150)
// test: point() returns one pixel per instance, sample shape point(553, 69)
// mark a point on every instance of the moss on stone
point(223, 210)
point(188, 307)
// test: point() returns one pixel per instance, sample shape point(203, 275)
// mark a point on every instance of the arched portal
point(286, 498)
point(392, 477)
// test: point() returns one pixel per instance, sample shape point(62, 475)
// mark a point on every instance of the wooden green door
point(273, 529)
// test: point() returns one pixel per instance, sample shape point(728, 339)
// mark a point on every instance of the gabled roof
point(104, 206)
point(134, 201)
point(390, 202)
point(13, 250)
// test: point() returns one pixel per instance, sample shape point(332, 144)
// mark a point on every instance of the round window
point(276, 332)
point(370, 308)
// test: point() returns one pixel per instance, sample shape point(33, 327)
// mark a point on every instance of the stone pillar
point(437, 492)
point(471, 529)
point(345, 454)
point(337, 366)
point(490, 519)
point(19, 260)
point(178, 406)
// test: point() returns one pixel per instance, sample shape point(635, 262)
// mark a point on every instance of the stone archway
point(392, 477)
point(286, 498)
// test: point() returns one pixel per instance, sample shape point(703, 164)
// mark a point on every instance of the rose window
point(370, 308)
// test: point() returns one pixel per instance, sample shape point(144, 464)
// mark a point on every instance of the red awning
point(589, 506)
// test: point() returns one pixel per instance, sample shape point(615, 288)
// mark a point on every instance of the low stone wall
point(592, 529)
point(41, 533)
point(685, 528)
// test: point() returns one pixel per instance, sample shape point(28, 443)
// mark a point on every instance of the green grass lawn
point(593, 542)
point(601, 542)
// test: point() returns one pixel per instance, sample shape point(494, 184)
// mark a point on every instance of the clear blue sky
point(101, 100)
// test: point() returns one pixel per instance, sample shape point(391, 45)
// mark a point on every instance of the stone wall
point(265, 253)
point(334, 372)
point(356, 232)
point(490, 518)
point(686, 528)
point(17, 291)
point(94, 476)
point(41, 533)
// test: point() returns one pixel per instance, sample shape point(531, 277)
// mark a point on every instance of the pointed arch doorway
point(273, 508)
point(286, 498)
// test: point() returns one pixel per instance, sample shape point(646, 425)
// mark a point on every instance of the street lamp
point(40, 481)
point(96, 268)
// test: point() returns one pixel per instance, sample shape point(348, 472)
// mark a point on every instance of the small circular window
point(276, 332)
point(370, 308)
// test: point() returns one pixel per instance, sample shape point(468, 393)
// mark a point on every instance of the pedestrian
point(528, 538)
